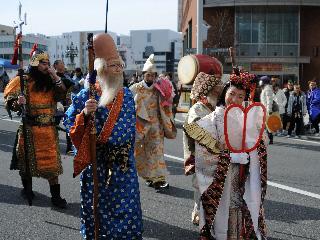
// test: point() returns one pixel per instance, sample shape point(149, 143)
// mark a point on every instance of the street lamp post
point(71, 53)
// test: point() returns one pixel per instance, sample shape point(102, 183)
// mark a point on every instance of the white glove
point(81, 82)
point(60, 107)
point(241, 158)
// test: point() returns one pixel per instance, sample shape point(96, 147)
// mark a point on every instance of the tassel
point(14, 60)
point(34, 48)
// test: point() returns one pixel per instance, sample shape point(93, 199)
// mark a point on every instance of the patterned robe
point(42, 136)
point(119, 205)
point(153, 123)
point(197, 111)
point(226, 203)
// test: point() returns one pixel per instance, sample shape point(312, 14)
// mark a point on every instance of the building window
point(290, 27)
point(190, 34)
point(274, 23)
point(259, 25)
point(244, 25)
point(148, 37)
point(267, 31)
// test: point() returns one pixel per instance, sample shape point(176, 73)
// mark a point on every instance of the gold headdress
point(37, 57)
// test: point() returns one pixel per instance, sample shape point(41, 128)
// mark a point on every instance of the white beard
point(212, 99)
point(110, 86)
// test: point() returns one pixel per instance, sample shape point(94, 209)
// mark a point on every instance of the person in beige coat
point(153, 102)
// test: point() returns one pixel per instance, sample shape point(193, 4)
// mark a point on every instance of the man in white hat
point(154, 122)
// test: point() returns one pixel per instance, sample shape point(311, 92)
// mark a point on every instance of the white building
point(7, 40)
point(134, 49)
point(58, 46)
point(165, 44)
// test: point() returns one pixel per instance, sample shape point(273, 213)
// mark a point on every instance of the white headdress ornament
point(149, 66)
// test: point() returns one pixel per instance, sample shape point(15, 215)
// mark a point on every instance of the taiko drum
point(189, 66)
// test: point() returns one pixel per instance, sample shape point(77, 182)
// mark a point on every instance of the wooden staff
point(27, 177)
point(93, 136)
point(18, 55)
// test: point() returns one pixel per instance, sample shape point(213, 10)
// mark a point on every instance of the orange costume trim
point(41, 140)
point(80, 132)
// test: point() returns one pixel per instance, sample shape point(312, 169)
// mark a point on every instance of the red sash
point(83, 159)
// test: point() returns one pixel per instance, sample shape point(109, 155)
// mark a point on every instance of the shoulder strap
point(202, 136)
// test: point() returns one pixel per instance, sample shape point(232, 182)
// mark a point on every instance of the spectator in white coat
point(281, 99)
point(266, 98)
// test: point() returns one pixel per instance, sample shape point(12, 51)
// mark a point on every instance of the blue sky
point(54, 17)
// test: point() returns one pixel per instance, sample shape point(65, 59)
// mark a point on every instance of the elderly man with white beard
point(119, 209)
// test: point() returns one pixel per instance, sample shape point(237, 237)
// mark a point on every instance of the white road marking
point(10, 120)
point(6, 145)
point(173, 157)
point(273, 184)
point(302, 140)
point(177, 120)
point(295, 190)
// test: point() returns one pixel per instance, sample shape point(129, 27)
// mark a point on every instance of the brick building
point(271, 37)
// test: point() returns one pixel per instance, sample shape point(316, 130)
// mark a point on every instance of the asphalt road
point(292, 204)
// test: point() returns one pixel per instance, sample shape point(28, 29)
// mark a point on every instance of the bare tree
point(221, 32)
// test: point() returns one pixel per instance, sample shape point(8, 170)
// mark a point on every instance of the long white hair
point(110, 84)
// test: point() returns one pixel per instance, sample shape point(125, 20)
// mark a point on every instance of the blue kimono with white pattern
point(119, 197)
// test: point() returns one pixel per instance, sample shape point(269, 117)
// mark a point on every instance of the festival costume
point(203, 84)
point(154, 122)
point(44, 158)
point(41, 136)
point(119, 200)
point(232, 185)
point(119, 208)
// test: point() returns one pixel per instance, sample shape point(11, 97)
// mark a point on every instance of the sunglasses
point(116, 65)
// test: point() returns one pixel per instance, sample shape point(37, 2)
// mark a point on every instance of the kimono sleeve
point(74, 119)
point(11, 93)
point(12, 89)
